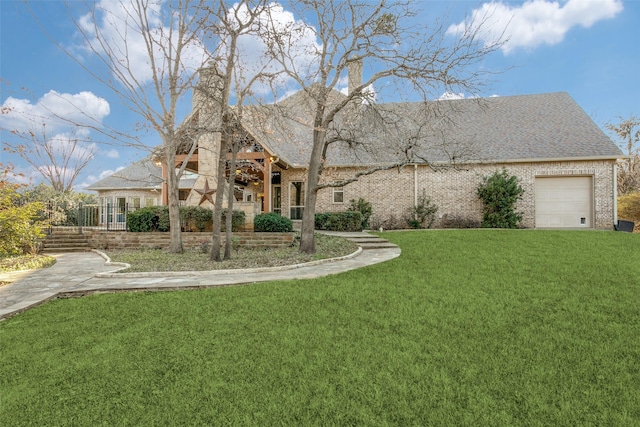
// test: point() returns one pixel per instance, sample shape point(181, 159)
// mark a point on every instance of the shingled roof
point(523, 128)
point(141, 175)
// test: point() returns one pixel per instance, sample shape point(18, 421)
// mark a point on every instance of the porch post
point(165, 188)
point(267, 184)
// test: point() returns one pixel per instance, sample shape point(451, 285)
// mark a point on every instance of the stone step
point(371, 239)
point(64, 249)
point(377, 245)
point(65, 242)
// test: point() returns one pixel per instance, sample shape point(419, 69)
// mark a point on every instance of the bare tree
point(59, 158)
point(232, 75)
point(399, 51)
point(53, 133)
point(628, 131)
point(147, 53)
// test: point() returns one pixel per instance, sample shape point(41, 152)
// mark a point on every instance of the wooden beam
point(182, 157)
point(250, 156)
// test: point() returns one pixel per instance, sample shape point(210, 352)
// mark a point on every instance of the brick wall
point(128, 240)
point(453, 190)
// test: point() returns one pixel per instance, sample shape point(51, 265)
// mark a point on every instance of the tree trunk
point(307, 237)
point(216, 242)
point(175, 244)
point(229, 217)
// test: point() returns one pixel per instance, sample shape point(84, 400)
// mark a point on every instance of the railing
point(76, 216)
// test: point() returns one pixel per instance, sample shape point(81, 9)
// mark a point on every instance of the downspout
point(415, 185)
point(615, 194)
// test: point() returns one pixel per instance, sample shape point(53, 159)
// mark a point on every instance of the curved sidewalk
point(87, 272)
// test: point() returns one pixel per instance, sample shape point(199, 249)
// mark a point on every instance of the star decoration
point(206, 193)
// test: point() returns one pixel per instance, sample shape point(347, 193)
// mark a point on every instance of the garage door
point(564, 202)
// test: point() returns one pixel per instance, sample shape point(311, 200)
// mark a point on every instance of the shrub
point(156, 218)
point(162, 213)
point(389, 223)
point(629, 208)
point(365, 209)
point(20, 225)
point(339, 221)
point(453, 221)
point(237, 220)
point(272, 222)
point(499, 193)
point(142, 220)
point(423, 214)
point(202, 217)
point(195, 217)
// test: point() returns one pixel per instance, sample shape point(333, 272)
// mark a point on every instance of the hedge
point(339, 221)
point(272, 223)
point(156, 218)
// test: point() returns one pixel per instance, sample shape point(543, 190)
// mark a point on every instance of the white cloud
point(108, 172)
point(252, 48)
point(450, 95)
point(535, 22)
point(117, 27)
point(56, 111)
point(112, 154)
point(90, 179)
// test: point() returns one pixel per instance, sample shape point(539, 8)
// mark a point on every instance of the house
point(565, 163)
point(136, 186)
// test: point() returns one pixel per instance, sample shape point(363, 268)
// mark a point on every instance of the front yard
point(467, 327)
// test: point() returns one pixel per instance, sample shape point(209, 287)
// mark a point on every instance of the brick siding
point(453, 190)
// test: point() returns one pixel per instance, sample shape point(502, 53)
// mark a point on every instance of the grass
point(466, 328)
point(195, 260)
point(25, 262)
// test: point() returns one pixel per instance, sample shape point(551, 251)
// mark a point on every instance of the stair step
point(380, 245)
point(66, 242)
point(58, 250)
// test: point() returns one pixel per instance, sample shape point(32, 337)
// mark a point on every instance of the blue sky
point(588, 48)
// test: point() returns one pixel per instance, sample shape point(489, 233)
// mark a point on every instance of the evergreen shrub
point(272, 223)
point(339, 221)
point(499, 193)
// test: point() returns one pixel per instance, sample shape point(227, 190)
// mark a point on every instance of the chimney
point(354, 74)
point(208, 90)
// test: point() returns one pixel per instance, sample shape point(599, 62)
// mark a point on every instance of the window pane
point(296, 200)
point(338, 195)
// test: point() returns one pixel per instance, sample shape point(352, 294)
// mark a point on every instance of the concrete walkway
point(88, 272)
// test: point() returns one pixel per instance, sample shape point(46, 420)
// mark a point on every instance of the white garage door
point(564, 202)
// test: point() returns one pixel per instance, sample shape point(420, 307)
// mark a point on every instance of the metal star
point(206, 193)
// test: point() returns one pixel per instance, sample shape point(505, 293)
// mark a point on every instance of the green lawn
point(467, 327)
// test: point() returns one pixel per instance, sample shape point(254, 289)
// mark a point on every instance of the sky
point(588, 48)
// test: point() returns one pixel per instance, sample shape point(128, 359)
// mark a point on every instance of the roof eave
point(478, 161)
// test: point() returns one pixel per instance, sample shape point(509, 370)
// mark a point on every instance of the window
point(120, 209)
point(338, 195)
point(276, 205)
point(149, 201)
point(104, 201)
point(296, 199)
point(135, 203)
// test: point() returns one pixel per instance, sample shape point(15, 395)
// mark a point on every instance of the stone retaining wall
point(129, 240)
